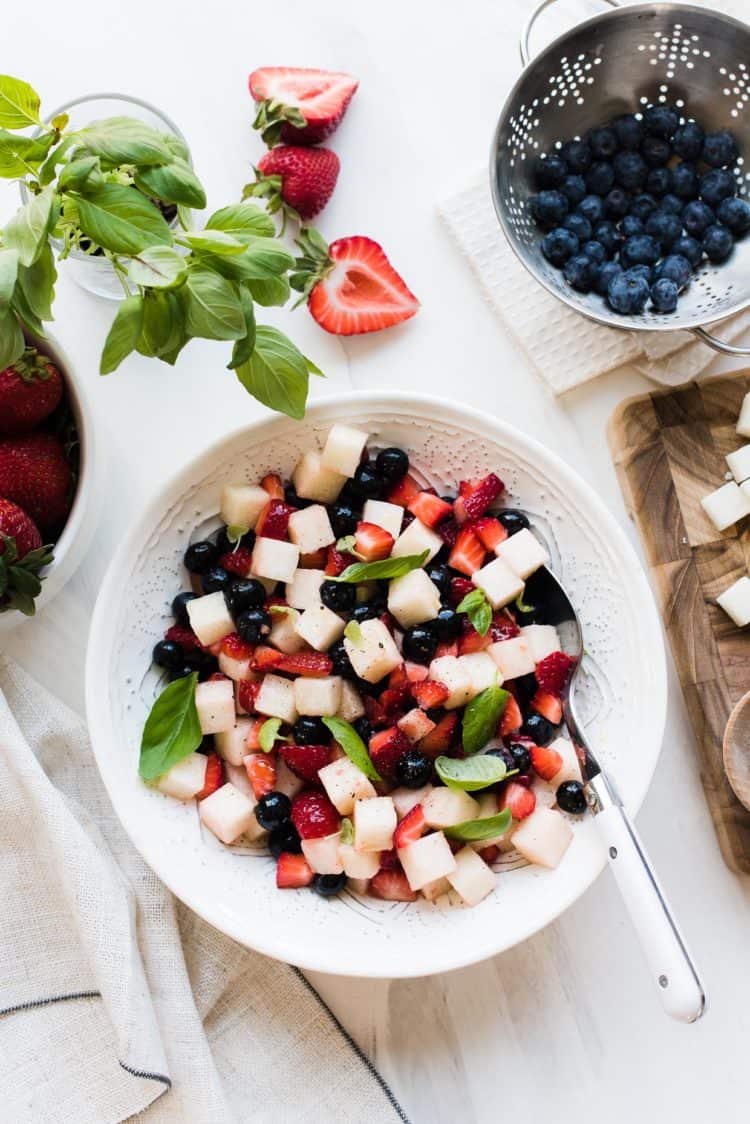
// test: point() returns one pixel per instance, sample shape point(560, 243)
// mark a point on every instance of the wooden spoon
point(737, 750)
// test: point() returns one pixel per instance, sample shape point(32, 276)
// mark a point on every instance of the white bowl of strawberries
point(323, 638)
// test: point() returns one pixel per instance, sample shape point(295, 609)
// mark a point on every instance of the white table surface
point(566, 1024)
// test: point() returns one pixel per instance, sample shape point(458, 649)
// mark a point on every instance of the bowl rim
point(99, 653)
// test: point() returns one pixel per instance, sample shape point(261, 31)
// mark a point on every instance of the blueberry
point(717, 243)
point(716, 185)
point(639, 248)
point(604, 143)
point(607, 234)
point(344, 519)
point(363, 726)
point(368, 482)
point(244, 593)
point(664, 295)
point(580, 271)
point(672, 204)
point(577, 155)
point(579, 225)
point(606, 272)
point(550, 171)
point(392, 463)
point(688, 140)
point(735, 214)
point(202, 662)
point(273, 809)
point(655, 151)
point(215, 580)
point(616, 203)
point(629, 130)
point(595, 251)
point(179, 607)
point(253, 624)
point(592, 208)
point(675, 268)
point(665, 227)
point(689, 248)
point(284, 839)
point(439, 576)
point(503, 755)
point(419, 643)
point(697, 216)
point(627, 295)
point(291, 498)
point(642, 270)
point(181, 672)
point(600, 178)
point(549, 208)
point(341, 662)
point(659, 181)
point(201, 557)
point(448, 625)
point(328, 885)
point(574, 189)
point(685, 180)
point(661, 121)
point(630, 169)
point(520, 755)
point(308, 730)
point(538, 729)
point(367, 611)
point(642, 206)
point(169, 654)
point(339, 597)
point(572, 798)
point(720, 149)
point(631, 225)
point(559, 245)
point(413, 769)
point(513, 521)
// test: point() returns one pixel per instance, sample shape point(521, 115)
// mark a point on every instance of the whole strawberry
point(35, 474)
point(22, 556)
point(30, 389)
point(300, 180)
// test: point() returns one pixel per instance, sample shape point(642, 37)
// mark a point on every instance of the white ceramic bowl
point(235, 891)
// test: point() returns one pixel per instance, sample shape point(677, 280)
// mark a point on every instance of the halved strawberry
point(306, 760)
point(547, 761)
point(430, 509)
point(479, 498)
point(470, 641)
point(411, 827)
point(386, 747)
point(512, 719)
point(490, 531)
point(439, 740)
point(237, 648)
point(247, 693)
point(552, 673)
point(392, 886)
point(261, 771)
point(252, 741)
point(403, 491)
point(185, 637)
point(293, 872)
point(299, 104)
point(214, 776)
point(490, 853)
point(265, 658)
point(273, 520)
point(429, 693)
point(448, 531)
point(316, 560)
point(271, 483)
point(468, 554)
point(376, 716)
point(398, 677)
point(503, 626)
point(337, 562)
point(372, 543)
point(416, 672)
point(389, 860)
point(314, 815)
point(520, 800)
point(548, 705)
point(314, 665)
point(460, 587)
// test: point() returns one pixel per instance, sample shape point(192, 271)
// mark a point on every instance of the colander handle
point(523, 45)
point(720, 345)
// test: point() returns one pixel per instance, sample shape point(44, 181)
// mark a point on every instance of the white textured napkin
point(564, 347)
point(113, 996)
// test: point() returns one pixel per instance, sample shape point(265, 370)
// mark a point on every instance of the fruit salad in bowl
point(324, 688)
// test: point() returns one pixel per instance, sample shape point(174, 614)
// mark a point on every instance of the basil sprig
point(269, 734)
point(472, 831)
point(472, 773)
point(353, 746)
point(172, 729)
point(386, 568)
point(481, 718)
point(478, 609)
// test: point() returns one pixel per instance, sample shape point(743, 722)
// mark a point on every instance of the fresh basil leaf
point(478, 609)
point(83, 174)
point(313, 369)
point(347, 831)
point(158, 267)
point(172, 729)
point(8, 275)
point(120, 219)
point(123, 336)
point(472, 773)
point(25, 314)
point(473, 831)
point(386, 568)
point(353, 632)
point(37, 283)
point(19, 103)
point(276, 373)
point(60, 122)
point(175, 182)
point(12, 342)
point(212, 306)
point(243, 348)
point(214, 241)
point(268, 734)
point(481, 717)
point(56, 156)
point(270, 292)
point(176, 146)
point(163, 327)
point(353, 746)
point(243, 221)
point(267, 258)
point(124, 140)
point(18, 153)
point(27, 231)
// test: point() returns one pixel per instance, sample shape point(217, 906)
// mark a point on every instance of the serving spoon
point(670, 964)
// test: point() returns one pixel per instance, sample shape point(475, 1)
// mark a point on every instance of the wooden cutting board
point(669, 448)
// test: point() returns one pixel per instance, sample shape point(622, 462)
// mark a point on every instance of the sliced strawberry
point(337, 562)
point(299, 104)
point(306, 760)
point(448, 531)
point(273, 521)
point(252, 741)
point(389, 860)
point(430, 509)
point(403, 491)
point(386, 747)
point(411, 828)
point(185, 637)
point(314, 815)
point(357, 289)
point(490, 531)
point(470, 641)
point(271, 483)
point(415, 724)
point(293, 872)
point(416, 672)
point(511, 719)
point(446, 648)
point(520, 800)
point(261, 771)
point(247, 693)
point(430, 693)
point(235, 647)
point(392, 886)
point(316, 560)
point(548, 705)
point(398, 677)
point(394, 700)
point(372, 543)
point(439, 740)
point(552, 673)
point(376, 716)
point(489, 854)
point(468, 554)
point(503, 626)
point(237, 561)
point(547, 761)
point(482, 495)
point(460, 587)
point(265, 658)
point(314, 665)
point(214, 776)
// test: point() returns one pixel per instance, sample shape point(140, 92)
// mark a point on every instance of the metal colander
point(620, 62)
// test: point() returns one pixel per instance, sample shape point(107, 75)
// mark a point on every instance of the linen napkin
point(116, 1000)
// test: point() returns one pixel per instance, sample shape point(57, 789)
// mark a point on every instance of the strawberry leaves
point(20, 582)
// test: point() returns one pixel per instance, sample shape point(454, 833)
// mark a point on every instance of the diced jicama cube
point(303, 591)
point(735, 601)
point(739, 463)
point(389, 516)
point(482, 670)
point(743, 422)
point(185, 779)
point(359, 864)
point(726, 505)
point(276, 699)
point(435, 889)
point(444, 807)
point(320, 627)
point(416, 724)
point(214, 701)
point(375, 655)
point(523, 553)
point(500, 583)
point(287, 781)
point(426, 860)
point(543, 837)
point(415, 540)
point(513, 657)
point(228, 813)
point(241, 504)
point(320, 697)
point(570, 769)
point(310, 529)
point(231, 744)
point(210, 618)
point(351, 706)
point(413, 598)
point(283, 634)
point(313, 481)
point(471, 876)
point(323, 854)
point(238, 670)
point(343, 449)
point(374, 824)
point(275, 559)
point(237, 775)
point(404, 799)
point(345, 783)
point(450, 671)
point(542, 639)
